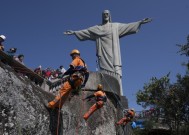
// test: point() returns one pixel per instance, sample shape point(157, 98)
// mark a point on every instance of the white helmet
point(132, 109)
point(3, 37)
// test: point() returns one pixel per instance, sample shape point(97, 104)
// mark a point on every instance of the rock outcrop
point(22, 111)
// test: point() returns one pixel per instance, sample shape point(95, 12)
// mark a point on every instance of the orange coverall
point(74, 82)
point(100, 99)
point(128, 117)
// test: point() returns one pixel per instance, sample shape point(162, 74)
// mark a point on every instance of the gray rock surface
point(22, 111)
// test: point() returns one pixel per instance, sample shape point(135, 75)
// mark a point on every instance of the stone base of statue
point(116, 101)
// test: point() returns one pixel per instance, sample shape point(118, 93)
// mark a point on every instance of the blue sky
point(36, 28)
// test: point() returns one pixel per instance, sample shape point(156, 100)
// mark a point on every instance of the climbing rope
point(77, 127)
point(59, 110)
point(82, 108)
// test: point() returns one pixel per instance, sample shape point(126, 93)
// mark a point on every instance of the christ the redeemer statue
point(107, 37)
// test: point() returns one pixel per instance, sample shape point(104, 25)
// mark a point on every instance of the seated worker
point(128, 116)
point(100, 99)
point(2, 39)
point(77, 73)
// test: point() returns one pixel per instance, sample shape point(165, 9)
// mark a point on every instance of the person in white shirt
point(20, 59)
point(62, 69)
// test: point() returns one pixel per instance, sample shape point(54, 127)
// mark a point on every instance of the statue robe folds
point(107, 43)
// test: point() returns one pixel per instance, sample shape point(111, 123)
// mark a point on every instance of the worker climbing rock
point(128, 116)
point(100, 98)
point(77, 76)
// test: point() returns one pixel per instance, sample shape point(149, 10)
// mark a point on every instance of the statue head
point(106, 16)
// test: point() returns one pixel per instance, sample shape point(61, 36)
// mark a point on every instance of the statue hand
point(69, 32)
point(146, 20)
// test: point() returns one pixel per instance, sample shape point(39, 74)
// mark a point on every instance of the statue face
point(106, 17)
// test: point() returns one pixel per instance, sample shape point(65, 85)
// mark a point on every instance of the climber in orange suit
point(129, 114)
point(77, 78)
point(100, 99)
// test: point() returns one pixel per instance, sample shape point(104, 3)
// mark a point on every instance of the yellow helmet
point(75, 51)
point(99, 87)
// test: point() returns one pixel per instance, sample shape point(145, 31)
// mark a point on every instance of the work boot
point(85, 118)
point(46, 105)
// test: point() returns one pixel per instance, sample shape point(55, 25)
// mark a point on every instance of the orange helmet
point(75, 51)
point(99, 87)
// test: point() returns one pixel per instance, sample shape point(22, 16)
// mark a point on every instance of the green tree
point(184, 50)
point(170, 100)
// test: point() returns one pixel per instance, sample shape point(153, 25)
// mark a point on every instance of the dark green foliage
point(170, 100)
point(184, 50)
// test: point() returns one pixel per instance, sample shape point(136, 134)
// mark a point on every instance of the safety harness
point(79, 73)
point(101, 98)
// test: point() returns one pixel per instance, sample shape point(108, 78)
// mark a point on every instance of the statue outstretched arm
point(69, 32)
point(146, 20)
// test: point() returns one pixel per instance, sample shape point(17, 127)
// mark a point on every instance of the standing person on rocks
point(100, 98)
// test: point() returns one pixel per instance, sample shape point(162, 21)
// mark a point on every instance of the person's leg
point(96, 106)
point(62, 96)
point(121, 121)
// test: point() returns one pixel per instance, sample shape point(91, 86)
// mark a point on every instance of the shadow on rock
point(56, 125)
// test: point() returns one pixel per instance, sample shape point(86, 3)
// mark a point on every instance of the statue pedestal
point(110, 85)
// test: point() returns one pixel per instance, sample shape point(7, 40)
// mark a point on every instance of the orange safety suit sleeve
point(93, 108)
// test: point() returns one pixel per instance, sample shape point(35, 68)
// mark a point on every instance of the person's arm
point(69, 32)
point(69, 71)
point(89, 97)
point(146, 20)
point(82, 35)
point(131, 28)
